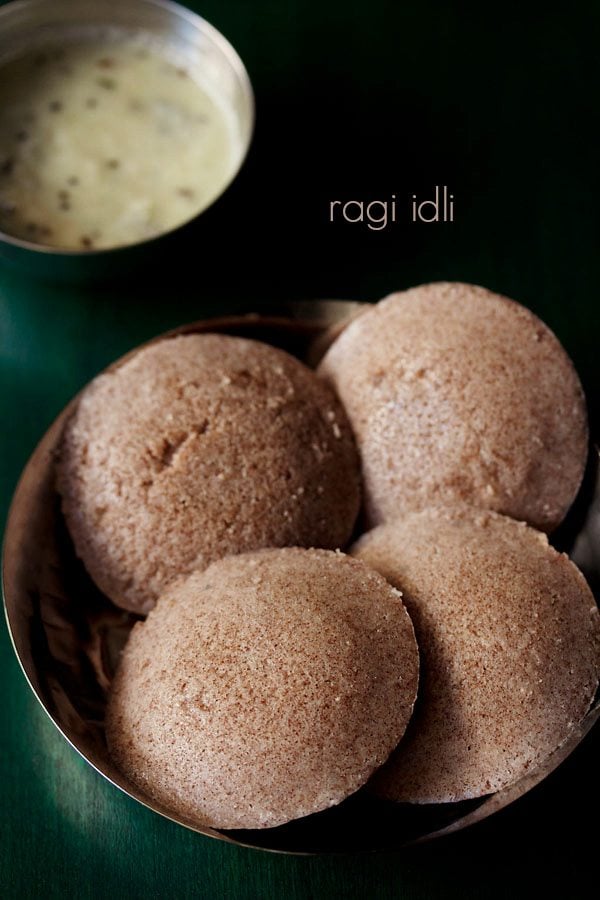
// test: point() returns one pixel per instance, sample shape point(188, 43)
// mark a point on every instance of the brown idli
point(456, 394)
point(265, 688)
point(509, 637)
point(197, 447)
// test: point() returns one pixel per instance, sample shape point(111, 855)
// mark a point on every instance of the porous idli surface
point(197, 447)
point(459, 395)
point(267, 687)
point(508, 632)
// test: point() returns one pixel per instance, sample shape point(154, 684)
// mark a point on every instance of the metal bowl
point(31, 24)
point(68, 636)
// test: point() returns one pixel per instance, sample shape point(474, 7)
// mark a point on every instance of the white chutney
point(108, 140)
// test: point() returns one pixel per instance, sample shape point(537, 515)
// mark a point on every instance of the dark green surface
point(354, 100)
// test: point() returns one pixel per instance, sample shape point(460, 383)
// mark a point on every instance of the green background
point(355, 101)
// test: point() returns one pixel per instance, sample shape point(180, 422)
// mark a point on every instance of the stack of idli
point(212, 482)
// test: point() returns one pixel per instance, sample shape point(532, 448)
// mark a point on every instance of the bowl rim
point(241, 73)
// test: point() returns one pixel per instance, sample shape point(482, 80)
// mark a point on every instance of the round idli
point(459, 395)
point(267, 687)
point(509, 636)
point(197, 447)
